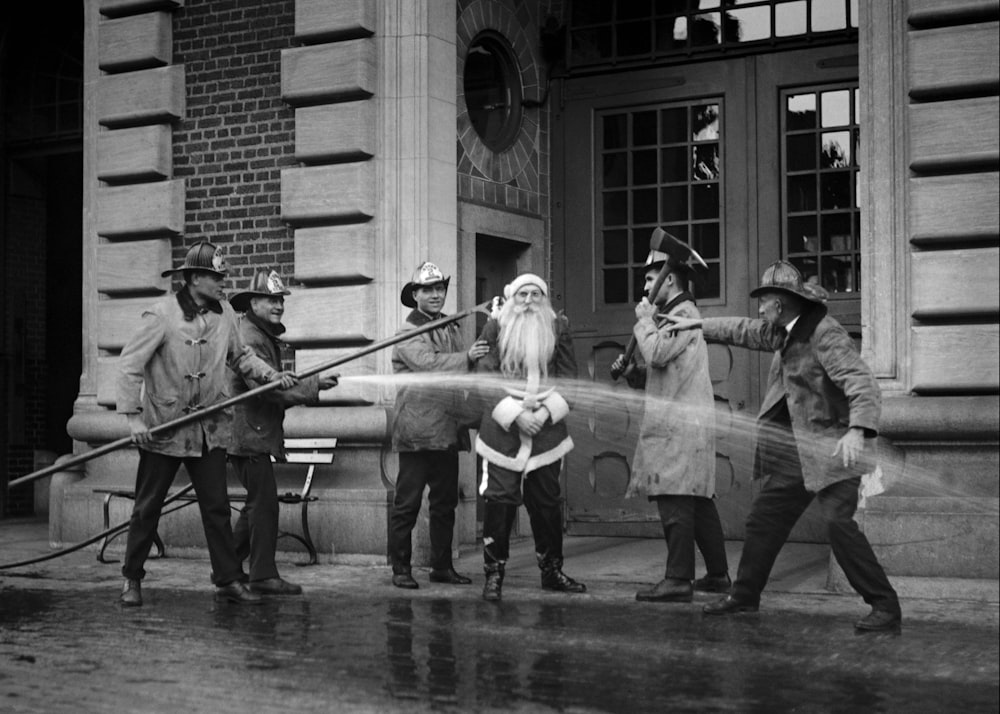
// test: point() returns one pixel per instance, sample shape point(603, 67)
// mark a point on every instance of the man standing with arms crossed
point(816, 431)
point(173, 365)
point(258, 431)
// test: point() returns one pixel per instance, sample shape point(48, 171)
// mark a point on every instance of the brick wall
point(237, 133)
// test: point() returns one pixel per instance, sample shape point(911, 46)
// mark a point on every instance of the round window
point(492, 86)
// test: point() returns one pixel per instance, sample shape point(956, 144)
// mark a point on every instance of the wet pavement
point(354, 643)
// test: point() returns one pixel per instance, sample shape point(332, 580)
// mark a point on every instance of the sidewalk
point(612, 568)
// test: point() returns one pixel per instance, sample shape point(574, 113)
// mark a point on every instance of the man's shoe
point(667, 590)
point(493, 587)
point(450, 577)
point(880, 621)
point(405, 581)
point(713, 584)
point(729, 606)
point(275, 586)
point(553, 578)
point(131, 594)
point(237, 592)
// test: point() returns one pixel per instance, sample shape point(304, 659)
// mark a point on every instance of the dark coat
point(499, 441)
point(258, 422)
point(426, 416)
point(828, 388)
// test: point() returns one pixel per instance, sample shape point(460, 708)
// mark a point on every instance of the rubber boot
point(553, 578)
point(493, 587)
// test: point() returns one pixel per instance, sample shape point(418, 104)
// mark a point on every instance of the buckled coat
point(172, 366)
point(828, 388)
point(258, 422)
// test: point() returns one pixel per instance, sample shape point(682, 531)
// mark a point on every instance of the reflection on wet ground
point(65, 651)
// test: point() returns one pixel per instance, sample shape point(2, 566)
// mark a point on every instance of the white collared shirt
point(790, 325)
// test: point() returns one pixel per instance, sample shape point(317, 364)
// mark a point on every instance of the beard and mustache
point(527, 338)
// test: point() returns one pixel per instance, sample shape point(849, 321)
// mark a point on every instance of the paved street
point(354, 643)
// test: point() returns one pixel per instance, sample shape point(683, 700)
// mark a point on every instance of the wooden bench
point(298, 451)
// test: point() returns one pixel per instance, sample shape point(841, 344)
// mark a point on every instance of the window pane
point(592, 45)
point(634, 38)
point(615, 135)
point(644, 167)
point(615, 247)
point(828, 15)
point(673, 125)
point(802, 234)
point(588, 12)
point(643, 128)
point(633, 9)
point(671, 33)
point(800, 152)
point(808, 267)
point(837, 232)
point(801, 112)
point(802, 193)
point(836, 108)
point(638, 283)
point(706, 162)
point(836, 150)
point(705, 200)
point(752, 23)
point(790, 18)
point(616, 285)
point(708, 283)
point(705, 240)
point(836, 190)
point(705, 122)
point(674, 203)
point(640, 245)
point(644, 206)
point(616, 208)
point(838, 273)
point(705, 30)
point(615, 169)
point(674, 164)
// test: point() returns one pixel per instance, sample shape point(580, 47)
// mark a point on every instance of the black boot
point(492, 589)
point(553, 578)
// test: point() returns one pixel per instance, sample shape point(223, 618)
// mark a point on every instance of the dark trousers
point(687, 521)
point(542, 499)
point(774, 512)
point(152, 482)
point(438, 472)
point(256, 530)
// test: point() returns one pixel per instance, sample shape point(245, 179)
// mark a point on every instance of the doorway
point(749, 160)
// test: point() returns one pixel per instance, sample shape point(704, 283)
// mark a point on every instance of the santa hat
point(525, 279)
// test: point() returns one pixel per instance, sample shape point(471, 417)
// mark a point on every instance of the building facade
point(344, 142)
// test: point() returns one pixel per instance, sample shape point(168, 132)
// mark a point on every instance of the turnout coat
point(828, 388)
point(675, 454)
point(172, 366)
point(499, 440)
point(427, 416)
point(258, 422)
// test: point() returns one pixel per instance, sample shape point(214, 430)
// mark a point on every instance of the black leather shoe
point(237, 592)
point(131, 594)
point(275, 586)
point(405, 581)
point(880, 621)
point(729, 606)
point(450, 577)
point(667, 590)
point(713, 584)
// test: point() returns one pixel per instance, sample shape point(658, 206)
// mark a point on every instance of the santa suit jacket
point(500, 441)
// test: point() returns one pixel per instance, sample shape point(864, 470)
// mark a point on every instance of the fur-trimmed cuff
point(506, 412)
point(557, 406)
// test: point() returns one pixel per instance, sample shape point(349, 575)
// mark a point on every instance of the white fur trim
point(506, 412)
point(557, 406)
point(515, 463)
point(524, 279)
point(550, 456)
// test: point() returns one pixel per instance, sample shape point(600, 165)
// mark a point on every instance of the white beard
point(527, 339)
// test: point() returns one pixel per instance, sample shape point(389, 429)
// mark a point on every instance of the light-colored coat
point(182, 365)
point(675, 455)
point(829, 389)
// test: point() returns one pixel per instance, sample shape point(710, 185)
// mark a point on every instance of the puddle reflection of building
point(436, 619)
